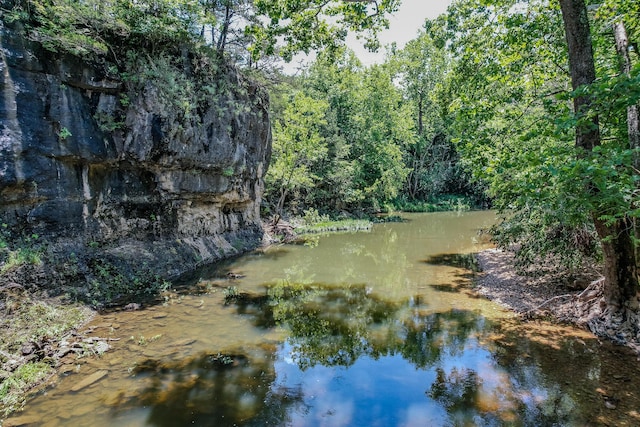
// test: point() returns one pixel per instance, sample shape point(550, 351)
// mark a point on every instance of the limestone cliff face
point(157, 175)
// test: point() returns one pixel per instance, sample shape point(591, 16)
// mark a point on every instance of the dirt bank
point(574, 298)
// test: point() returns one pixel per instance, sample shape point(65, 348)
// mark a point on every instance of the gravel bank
point(567, 298)
point(524, 292)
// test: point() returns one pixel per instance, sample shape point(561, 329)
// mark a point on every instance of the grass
point(15, 254)
point(27, 320)
point(19, 257)
point(439, 204)
point(31, 320)
point(327, 226)
point(14, 388)
point(314, 223)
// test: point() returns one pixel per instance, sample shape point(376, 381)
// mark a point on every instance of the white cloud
point(403, 26)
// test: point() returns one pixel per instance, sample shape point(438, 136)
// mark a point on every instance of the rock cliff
point(162, 168)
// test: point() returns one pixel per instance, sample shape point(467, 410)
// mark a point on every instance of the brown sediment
point(574, 298)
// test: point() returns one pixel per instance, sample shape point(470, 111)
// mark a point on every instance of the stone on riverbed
point(21, 421)
point(91, 379)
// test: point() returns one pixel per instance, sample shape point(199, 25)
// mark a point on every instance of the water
point(365, 329)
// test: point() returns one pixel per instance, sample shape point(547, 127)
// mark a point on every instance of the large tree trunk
point(633, 120)
point(616, 238)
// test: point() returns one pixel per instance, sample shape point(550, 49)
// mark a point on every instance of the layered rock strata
point(87, 162)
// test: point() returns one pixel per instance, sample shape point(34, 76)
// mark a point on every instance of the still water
point(375, 328)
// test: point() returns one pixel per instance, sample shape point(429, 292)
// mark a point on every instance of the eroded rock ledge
point(134, 172)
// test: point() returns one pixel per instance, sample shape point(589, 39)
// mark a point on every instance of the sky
point(403, 26)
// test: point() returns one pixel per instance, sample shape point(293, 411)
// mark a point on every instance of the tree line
point(531, 104)
point(359, 140)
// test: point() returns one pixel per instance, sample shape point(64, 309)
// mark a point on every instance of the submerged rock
point(91, 379)
point(24, 420)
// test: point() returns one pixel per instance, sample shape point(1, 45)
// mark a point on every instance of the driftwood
point(583, 297)
point(280, 230)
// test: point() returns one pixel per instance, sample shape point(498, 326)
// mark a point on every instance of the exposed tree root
point(279, 231)
point(533, 311)
point(541, 297)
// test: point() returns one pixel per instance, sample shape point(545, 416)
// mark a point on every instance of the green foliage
point(329, 226)
point(439, 204)
point(510, 116)
point(32, 320)
point(110, 285)
point(245, 30)
point(384, 133)
point(16, 251)
point(29, 319)
point(64, 134)
point(432, 159)
point(297, 146)
point(107, 122)
point(176, 89)
point(511, 128)
point(386, 129)
point(313, 24)
point(14, 387)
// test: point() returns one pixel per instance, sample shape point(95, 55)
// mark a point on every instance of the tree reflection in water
point(351, 358)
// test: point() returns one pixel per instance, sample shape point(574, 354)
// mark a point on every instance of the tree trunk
point(280, 206)
point(420, 114)
point(582, 67)
point(620, 271)
point(620, 283)
point(633, 121)
point(222, 41)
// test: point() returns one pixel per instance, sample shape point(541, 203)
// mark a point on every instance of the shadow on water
point(468, 268)
point(464, 261)
point(448, 287)
point(211, 389)
point(354, 358)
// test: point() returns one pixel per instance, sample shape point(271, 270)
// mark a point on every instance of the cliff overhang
point(159, 169)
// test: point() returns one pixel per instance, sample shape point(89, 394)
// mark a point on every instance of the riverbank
point(38, 334)
point(559, 296)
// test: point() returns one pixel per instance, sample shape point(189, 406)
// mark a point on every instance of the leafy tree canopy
point(248, 30)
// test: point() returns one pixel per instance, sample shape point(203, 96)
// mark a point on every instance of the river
point(377, 328)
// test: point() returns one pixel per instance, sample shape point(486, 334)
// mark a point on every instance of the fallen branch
point(529, 312)
point(592, 284)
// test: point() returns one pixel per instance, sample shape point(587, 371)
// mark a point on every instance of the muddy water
point(366, 329)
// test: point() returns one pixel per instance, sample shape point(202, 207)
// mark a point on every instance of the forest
point(490, 105)
point(529, 108)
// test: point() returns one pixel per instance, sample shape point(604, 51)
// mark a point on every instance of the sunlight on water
point(365, 329)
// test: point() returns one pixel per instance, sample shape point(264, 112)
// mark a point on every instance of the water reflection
point(353, 332)
point(211, 390)
point(354, 358)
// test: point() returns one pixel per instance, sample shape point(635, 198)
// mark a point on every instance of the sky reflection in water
point(370, 364)
point(361, 330)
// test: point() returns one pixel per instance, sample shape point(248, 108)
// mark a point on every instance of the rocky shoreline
point(573, 298)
